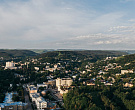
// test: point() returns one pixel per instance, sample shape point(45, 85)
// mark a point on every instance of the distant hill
point(10, 53)
point(84, 54)
point(40, 51)
point(129, 51)
point(62, 54)
point(126, 59)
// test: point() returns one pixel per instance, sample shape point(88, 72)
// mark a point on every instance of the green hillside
point(7, 53)
point(85, 54)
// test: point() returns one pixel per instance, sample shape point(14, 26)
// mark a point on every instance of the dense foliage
point(100, 98)
point(7, 78)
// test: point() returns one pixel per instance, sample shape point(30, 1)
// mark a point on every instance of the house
point(36, 68)
point(126, 71)
point(128, 85)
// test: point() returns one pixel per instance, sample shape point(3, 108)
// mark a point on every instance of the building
point(32, 89)
point(36, 68)
point(63, 82)
point(51, 83)
point(126, 71)
point(42, 85)
point(13, 106)
point(33, 96)
point(10, 65)
point(128, 85)
point(10, 105)
point(41, 103)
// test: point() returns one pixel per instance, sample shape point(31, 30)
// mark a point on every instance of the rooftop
point(2, 105)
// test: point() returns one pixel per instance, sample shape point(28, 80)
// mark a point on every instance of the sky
point(67, 24)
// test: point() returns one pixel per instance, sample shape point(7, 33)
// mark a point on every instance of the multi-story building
point(41, 103)
point(63, 82)
point(10, 65)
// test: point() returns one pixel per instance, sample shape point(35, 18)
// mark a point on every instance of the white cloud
point(54, 24)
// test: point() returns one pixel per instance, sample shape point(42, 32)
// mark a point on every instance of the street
point(27, 100)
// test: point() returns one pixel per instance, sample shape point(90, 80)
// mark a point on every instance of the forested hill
point(93, 54)
point(11, 53)
point(80, 54)
point(125, 60)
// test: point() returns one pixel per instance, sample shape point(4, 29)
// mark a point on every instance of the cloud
point(59, 24)
point(123, 29)
point(129, 0)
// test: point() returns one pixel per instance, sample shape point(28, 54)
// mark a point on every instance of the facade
point(50, 82)
point(10, 65)
point(40, 103)
point(32, 89)
point(63, 82)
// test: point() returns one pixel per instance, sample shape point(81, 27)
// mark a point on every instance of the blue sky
point(67, 24)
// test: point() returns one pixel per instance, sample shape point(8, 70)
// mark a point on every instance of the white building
point(10, 65)
point(40, 103)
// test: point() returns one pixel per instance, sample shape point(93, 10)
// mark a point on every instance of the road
point(27, 100)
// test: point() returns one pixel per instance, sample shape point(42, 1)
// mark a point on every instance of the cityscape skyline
point(67, 24)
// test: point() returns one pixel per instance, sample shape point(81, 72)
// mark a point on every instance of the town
point(45, 81)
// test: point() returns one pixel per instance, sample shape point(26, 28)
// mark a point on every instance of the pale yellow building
point(63, 82)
